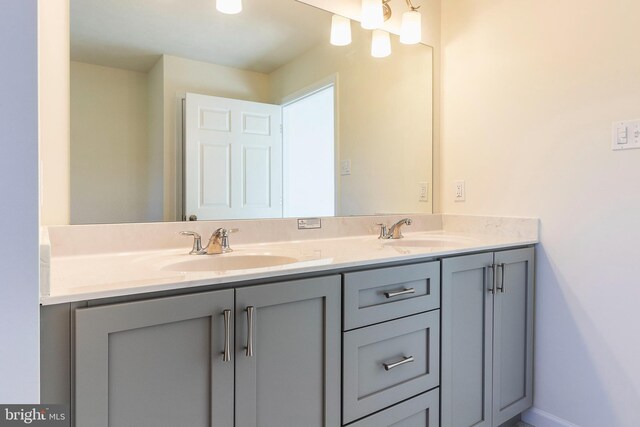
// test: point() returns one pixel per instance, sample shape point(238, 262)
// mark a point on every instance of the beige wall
point(53, 106)
point(529, 96)
point(183, 75)
point(384, 120)
point(108, 145)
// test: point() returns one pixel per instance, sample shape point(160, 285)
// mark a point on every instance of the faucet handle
point(197, 241)
point(224, 238)
point(226, 231)
point(383, 231)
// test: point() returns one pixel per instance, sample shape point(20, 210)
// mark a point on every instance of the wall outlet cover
point(459, 195)
point(345, 167)
point(423, 191)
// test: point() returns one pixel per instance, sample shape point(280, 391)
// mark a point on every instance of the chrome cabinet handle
point(389, 366)
point(492, 268)
point(249, 347)
point(405, 291)
point(226, 354)
point(501, 287)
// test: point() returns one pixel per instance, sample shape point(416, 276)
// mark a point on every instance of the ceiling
point(133, 34)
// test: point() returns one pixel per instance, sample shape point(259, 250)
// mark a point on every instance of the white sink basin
point(228, 262)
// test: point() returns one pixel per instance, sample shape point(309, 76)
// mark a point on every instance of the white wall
point(19, 319)
point(109, 133)
point(530, 90)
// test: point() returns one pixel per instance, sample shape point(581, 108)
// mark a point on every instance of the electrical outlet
point(423, 191)
point(345, 167)
point(460, 193)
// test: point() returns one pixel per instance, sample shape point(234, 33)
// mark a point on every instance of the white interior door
point(233, 158)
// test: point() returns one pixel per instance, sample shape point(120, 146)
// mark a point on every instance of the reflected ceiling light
point(340, 30)
point(372, 16)
point(380, 44)
point(229, 7)
point(411, 29)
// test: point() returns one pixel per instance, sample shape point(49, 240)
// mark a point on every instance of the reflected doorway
point(308, 148)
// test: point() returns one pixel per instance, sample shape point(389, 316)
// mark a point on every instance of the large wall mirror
point(180, 111)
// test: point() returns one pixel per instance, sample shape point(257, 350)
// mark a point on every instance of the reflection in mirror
point(178, 110)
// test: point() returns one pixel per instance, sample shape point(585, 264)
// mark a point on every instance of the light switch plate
point(625, 135)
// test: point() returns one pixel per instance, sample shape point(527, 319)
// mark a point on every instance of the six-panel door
point(292, 377)
point(155, 363)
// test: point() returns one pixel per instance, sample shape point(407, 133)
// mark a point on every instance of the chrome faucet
point(395, 231)
point(218, 242)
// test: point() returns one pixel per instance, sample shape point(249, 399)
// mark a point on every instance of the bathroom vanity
point(431, 330)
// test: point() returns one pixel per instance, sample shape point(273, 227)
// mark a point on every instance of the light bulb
point(229, 7)
point(380, 44)
point(340, 30)
point(411, 29)
point(372, 16)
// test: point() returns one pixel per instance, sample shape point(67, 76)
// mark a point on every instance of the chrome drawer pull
point(390, 366)
point(226, 354)
point(249, 347)
point(405, 291)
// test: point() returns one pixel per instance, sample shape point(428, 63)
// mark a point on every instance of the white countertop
point(86, 277)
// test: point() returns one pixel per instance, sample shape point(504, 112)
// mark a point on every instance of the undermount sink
point(229, 262)
point(428, 242)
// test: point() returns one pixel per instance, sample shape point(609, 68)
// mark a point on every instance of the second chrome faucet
point(395, 231)
point(218, 242)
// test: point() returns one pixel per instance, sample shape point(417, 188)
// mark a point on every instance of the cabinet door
point(293, 376)
point(513, 334)
point(467, 317)
point(154, 363)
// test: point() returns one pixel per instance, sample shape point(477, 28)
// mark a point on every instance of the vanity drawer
point(420, 411)
point(375, 376)
point(383, 294)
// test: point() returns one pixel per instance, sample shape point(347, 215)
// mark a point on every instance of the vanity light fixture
point(380, 44)
point(230, 7)
point(372, 16)
point(411, 28)
point(340, 30)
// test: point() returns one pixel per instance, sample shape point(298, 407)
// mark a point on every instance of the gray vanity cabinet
point(162, 362)
point(291, 376)
point(154, 363)
point(487, 337)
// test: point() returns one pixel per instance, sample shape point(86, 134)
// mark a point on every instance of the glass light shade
point(411, 29)
point(371, 14)
point(229, 7)
point(340, 30)
point(380, 44)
